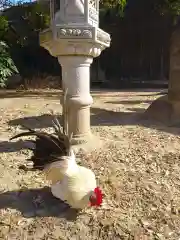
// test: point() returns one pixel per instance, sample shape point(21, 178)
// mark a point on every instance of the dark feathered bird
point(48, 148)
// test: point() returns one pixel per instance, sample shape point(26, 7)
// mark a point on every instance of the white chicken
point(74, 184)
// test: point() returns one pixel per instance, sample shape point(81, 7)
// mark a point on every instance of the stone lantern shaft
point(75, 38)
point(75, 75)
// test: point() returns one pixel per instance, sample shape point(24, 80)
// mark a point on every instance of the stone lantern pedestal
point(75, 39)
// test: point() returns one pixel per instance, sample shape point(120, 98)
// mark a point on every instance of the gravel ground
point(138, 170)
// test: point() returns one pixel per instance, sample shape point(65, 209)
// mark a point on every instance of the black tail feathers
point(48, 147)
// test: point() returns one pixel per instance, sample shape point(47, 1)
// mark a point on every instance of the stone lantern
point(74, 37)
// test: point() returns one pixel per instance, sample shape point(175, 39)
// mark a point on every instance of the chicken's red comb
point(99, 196)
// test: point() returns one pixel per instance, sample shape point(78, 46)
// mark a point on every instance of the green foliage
point(113, 3)
point(3, 26)
point(37, 15)
point(7, 67)
point(116, 7)
point(167, 6)
point(25, 22)
point(142, 7)
point(163, 7)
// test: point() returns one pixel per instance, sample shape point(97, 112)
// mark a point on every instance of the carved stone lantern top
point(81, 12)
point(74, 29)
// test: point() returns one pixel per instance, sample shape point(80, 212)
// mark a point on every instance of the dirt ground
point(138, 169)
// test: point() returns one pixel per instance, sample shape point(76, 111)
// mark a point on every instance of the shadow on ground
point(130, 102)
point(101, 117)
point(136, 110)
point(36, 203)
point(8, 146)
point(162, 92)
point(55, 94)
point(30, 94)
point(42, 121)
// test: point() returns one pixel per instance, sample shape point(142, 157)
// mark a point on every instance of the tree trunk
point(167, 108)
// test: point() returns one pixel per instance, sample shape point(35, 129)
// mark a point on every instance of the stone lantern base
point(87, 144)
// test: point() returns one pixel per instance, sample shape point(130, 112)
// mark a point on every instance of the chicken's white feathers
point(70, 182)
point(76, 188)
point(57, 170)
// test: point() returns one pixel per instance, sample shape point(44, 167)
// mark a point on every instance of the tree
point(167, 108)
point(25, 21)
point(163, 7)
point(110, 4)
point(7, 67)
point(4, 26)
point(5, 4)
point(19, 26)
point(114, 6)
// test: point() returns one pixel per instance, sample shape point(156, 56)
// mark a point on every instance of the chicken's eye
point(93, 199)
